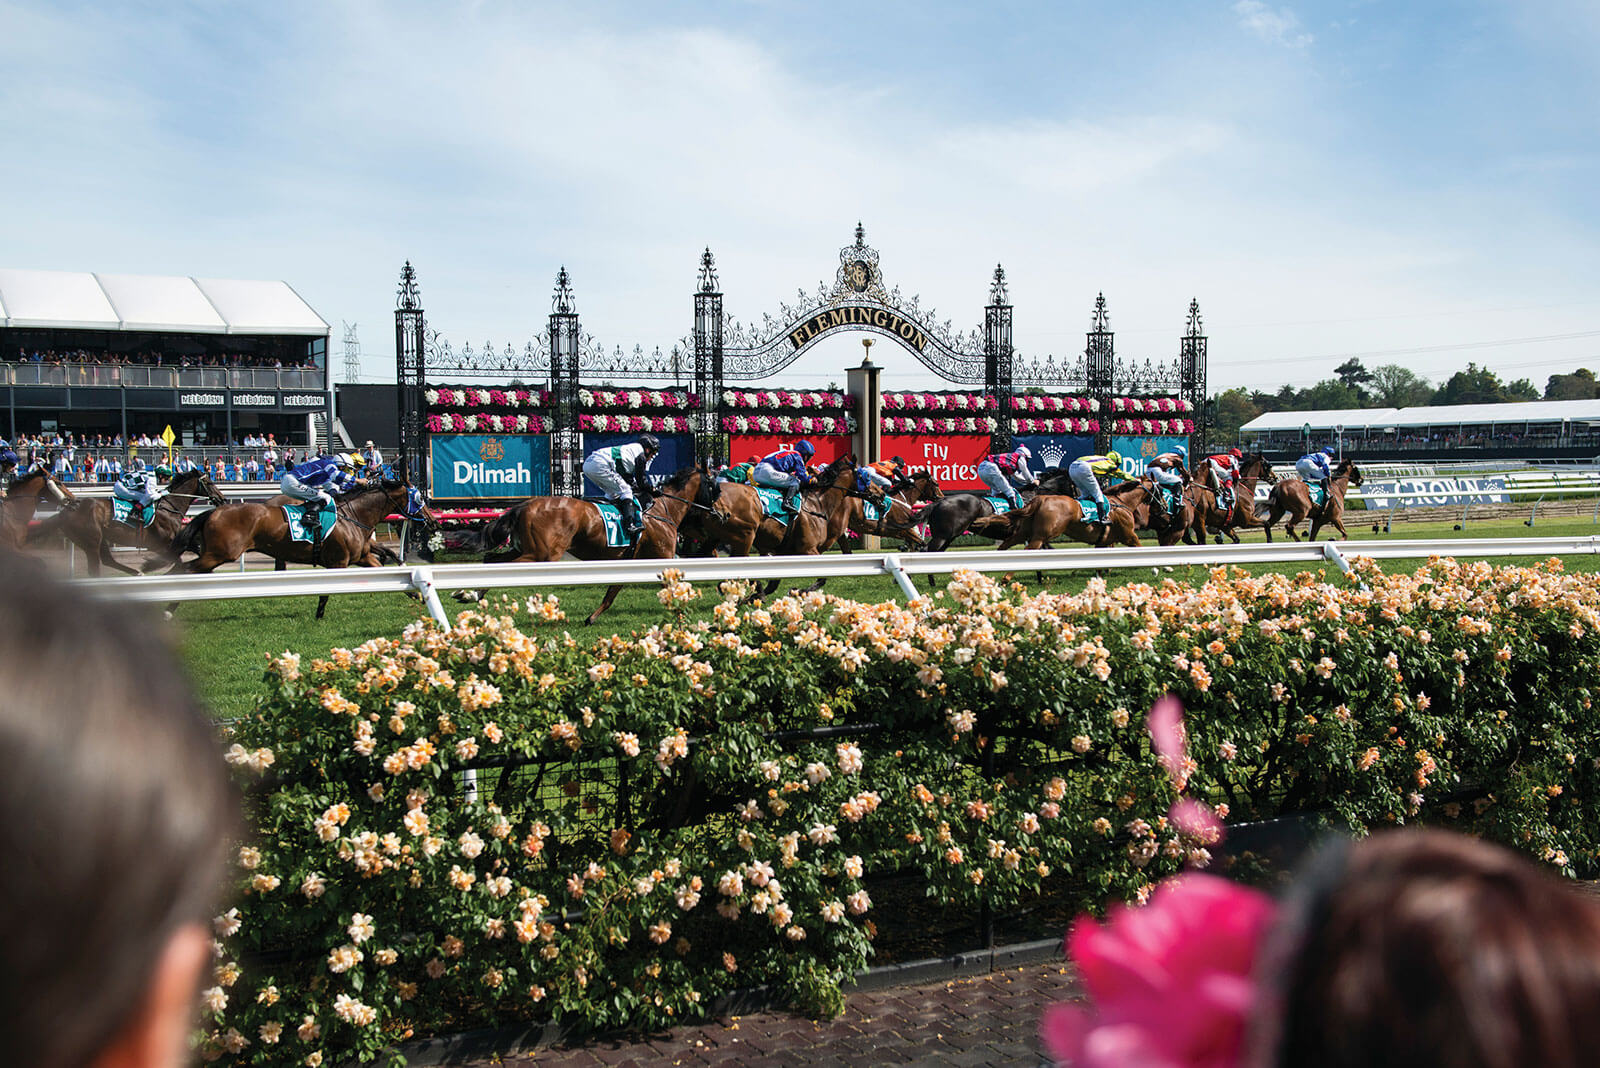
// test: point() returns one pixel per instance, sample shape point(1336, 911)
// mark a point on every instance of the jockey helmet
point(1024, 452)
point(1236, 453)
point(1327, 450)
point(9, 458)
point(899, 461)
point(650, 442)
point(1183, 452)
point(164, 470)
point(805, 448)
point(1115, 457)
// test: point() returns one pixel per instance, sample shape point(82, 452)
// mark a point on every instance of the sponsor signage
point(489, 466)
point(305, 400)
point(1054, 450)
point(677, 451)
point(157, 400)
point(1138, 452)
point(254, 400)
point(952, 459)
point(742, 447)
point(199, 399)
point(1435, 492)
point(836, 318)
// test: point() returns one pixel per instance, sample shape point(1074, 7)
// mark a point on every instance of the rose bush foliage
point(777, 757)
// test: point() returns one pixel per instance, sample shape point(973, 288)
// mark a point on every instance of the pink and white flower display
point(479, 423)
point(478, 397)
point(1034, 402)
point(784, 398)
point(635, 424)
point(638, 398)
point(1151, 405)
point(983, 424)
point(785, 424)
point(1152, 426)
point(916, 401)
point(1057, 426)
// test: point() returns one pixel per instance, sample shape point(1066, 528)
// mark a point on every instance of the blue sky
point(1411, 182)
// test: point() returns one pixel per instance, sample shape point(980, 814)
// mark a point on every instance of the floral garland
point(637, 398)
point(783, 424)
point(783, 398)
point(456, 423)
point(459, 397)
point(1150, 405)
point(939, 402)
point(983, 424)
point(1032, 402)
point(1152, 426)
point(1057, 426)
point(635, 424)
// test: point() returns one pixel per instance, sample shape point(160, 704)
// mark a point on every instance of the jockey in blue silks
point(317, 480)
point(1315, 468)
point(786, 470)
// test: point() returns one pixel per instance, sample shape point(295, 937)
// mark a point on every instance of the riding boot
point(631, 525)
point(789, 493)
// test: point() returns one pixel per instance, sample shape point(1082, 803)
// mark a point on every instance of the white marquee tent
point(70, 300)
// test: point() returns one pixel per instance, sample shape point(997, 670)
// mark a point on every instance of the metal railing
point(157, 376)
point(429, 580)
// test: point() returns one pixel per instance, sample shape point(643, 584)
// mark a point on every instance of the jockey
point(619, 471)
point(1224, 468)
point(315, 481)
point(786, 470)
point(8, 468)
point(1004, 472)
point(884, 473)
point(1089, 472)
point(142, 487)
point(1169, 471)
point(1314, 468)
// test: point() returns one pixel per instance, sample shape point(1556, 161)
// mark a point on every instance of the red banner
point(952, 459)
point(742, 447)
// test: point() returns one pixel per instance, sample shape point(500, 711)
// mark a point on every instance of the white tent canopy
point(1368, 420)
point(72, 300)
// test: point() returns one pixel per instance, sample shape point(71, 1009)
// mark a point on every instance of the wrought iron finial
point(1101, 320)
point(861, 235)
point(708, 272)
point(410, 295)
point(998, 295)
point(1195, 329)
point(563, 302)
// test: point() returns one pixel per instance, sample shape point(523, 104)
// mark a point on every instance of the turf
point(225, 643)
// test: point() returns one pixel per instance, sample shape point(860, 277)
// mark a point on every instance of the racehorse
point(1294, 497)
point(1139, 497)
point(90, 526)
point(1215, 520)
point(739, 522)
point(902, 509)
point(224, 534)
point(543, 529)
point(22, 500)
point(1053, 515)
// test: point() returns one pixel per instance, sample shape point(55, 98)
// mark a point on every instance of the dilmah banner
point(489, 466)
point(1138, 452)
point(677, 451)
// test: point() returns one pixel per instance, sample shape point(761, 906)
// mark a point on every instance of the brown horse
point(1216, 520)
point(1051, 515)
point(90, 526)
point(901, 512)
point(22, 500)
point(1139, 497)
point(1293, 496)
point(738, 521)
point(224, 534)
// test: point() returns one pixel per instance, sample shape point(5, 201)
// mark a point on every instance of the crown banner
point(1054, 450)
point(473, 467)
point(677, 451)
point(1138, 452)
point(952, 459)
point(742, 447)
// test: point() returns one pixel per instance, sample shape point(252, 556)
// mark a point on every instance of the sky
point(1406, 183)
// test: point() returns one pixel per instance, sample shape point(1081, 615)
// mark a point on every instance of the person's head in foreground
point(116, 814)
point(1412, 948)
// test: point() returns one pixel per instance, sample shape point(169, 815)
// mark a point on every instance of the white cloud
point(1280, 27)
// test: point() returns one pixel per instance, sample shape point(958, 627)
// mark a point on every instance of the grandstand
point(114, 354)
point(1531, 430)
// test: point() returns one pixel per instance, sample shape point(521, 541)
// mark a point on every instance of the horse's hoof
point(167, 614)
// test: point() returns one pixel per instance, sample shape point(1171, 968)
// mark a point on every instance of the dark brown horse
point(1216, 520)
point(22, 500)
point(89, 524)
point(738, 521)
point(1293, 497)
point(224, 534)
point(1051, 515)
point(898, 520)
point(1139, 497)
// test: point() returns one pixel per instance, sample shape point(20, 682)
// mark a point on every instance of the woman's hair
point(115, 813)
point(1420, 948)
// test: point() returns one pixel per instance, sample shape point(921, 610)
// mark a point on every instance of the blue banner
point(1434, 492)
point(489, 466)
point(677, 451)
point(1054, 450)
point(1138, 452)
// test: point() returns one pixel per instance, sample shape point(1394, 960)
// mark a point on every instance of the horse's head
point(928, 488)
point(1255, 465)
point(408, 501)
point(1346, 467)
point(195, 483)
point(840, 468)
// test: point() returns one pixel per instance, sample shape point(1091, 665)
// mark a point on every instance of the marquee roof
point(72, 300)
point(1357, 419)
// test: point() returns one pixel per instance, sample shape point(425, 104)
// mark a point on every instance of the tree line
point(1393, 386)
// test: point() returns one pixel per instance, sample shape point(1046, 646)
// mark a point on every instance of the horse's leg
point(322, 603)
point(105, 557)
point(1337, 519)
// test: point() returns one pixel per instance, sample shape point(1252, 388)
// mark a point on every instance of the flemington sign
point(853, 315)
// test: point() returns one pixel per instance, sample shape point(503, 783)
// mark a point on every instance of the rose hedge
point(789, 424)
point(1152, 426)
point(377, 902)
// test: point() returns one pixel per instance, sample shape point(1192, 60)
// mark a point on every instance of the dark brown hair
point(115, 812)
point(1421, 948)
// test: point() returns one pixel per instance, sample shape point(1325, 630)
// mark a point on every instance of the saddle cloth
point(611, 516)
point(1318, 492)
point(1091, 510)
point(294, 515)
point(1000, 505)
point(121, 510)
point(772, 504)
point(873, 511)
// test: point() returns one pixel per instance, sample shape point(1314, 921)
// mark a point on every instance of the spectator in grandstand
point(252, 469)
point(1089, 472)
point(105, 918)
point(621, 470)
point(786, 469)
point(1003, 472)
point(373, 456)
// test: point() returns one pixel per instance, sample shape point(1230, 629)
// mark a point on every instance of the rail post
point(891, 567)
point(422, 582)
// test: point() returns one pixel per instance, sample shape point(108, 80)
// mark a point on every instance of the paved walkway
point(983, 1020)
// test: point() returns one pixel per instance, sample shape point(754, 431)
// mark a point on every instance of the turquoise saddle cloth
point(772, 504)
point(1091, 510)
point(1318, 492)
point(611, 516)
point(873, 511)
point(294, 515)
point(1000, 505)
point(121, 510)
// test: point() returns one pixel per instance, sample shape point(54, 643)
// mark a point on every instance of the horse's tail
point(191, 536)
point(502, 529)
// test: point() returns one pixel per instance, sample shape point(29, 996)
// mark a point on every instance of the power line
point(1415, 351)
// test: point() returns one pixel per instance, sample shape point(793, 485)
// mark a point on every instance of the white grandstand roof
point(80, 301)
point(1355, 419)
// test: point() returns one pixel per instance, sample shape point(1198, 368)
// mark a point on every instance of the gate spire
point(563, 342)
point(998, 358)
point(1100, 357)
point(708, 355)
point(411, 371)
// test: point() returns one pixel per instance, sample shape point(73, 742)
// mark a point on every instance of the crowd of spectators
point(1471, 438)
point(160, 359)
point(103, 458)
